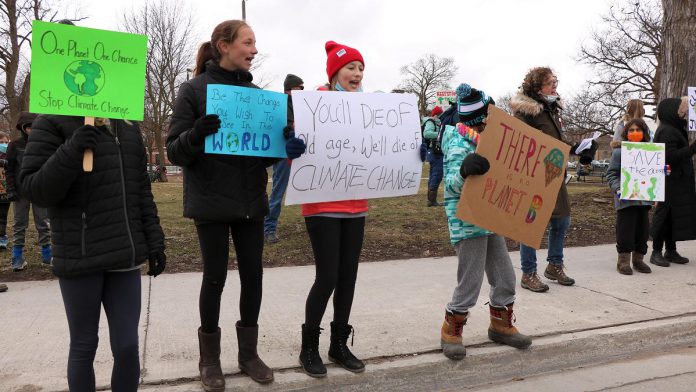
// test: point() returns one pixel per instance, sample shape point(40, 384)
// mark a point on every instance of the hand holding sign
point(203, 127)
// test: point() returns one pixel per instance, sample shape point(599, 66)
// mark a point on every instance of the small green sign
point(77, 71)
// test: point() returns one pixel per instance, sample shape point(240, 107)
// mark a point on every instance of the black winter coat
point(217, 188)
point(680, 191)
point(103, 220)
point(15, 152)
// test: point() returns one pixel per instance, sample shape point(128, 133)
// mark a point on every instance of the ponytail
point(205, 53)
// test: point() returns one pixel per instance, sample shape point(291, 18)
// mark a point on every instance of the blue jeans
point(281, 175)
point(436, 169)
point(557, 231)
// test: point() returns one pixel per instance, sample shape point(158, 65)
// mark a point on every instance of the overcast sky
point(493, 42)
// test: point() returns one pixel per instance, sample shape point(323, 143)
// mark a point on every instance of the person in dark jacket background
point(104, 227)
point(4, 201)
point(674, 218)
point(223, 194)
point(15, 153)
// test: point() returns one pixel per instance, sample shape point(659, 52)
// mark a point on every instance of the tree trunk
point(159, 143)
point(678, 66)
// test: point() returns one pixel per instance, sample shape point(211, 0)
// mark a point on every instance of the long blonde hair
point(634, 109)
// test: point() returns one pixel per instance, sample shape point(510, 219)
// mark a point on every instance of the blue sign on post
point(252, 121)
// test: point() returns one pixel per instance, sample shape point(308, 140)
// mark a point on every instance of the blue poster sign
point(252, 121)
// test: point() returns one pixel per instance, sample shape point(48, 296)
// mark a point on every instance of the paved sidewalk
point(398, 311)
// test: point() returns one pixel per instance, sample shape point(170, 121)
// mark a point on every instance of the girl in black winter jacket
point(104, 226)
point(223, 194)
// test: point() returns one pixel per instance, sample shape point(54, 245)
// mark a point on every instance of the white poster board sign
point(692, 108)
point(643, 171)
point(359, 146)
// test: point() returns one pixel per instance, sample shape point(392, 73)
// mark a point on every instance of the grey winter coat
point(614, 180)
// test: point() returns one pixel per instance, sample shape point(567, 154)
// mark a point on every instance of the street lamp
point(244, 10)
point(189, 71)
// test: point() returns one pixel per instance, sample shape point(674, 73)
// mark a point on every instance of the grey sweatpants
point(476, 255)
point(21, 222)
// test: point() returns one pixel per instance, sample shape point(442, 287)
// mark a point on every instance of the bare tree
point(626, 57)
point(261, 79)
point(679, 48)
point(169, 28)
point(16, 17)
point(504, 103)
point(426, 76)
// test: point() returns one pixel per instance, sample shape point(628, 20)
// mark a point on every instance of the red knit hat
point(339, 55)
point(436, 111)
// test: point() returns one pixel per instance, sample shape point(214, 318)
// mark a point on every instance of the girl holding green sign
point(223, 194)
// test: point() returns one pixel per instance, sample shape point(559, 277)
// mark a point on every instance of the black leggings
point(664, 236)
point(214, 239)
point(337, 243)
point(83, 297)
point(632, 229)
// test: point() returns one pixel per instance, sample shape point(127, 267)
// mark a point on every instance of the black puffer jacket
point(103, 220)
point(15, 153)
point(680, 196)
point(217, 188)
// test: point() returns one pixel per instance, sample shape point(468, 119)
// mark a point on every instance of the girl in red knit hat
point(336, 230)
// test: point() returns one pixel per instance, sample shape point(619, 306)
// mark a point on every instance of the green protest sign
point(77, 71)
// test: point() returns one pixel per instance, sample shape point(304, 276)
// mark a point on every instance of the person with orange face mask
point(632, 224)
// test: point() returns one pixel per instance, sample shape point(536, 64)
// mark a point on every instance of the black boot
point(339, 352)
point(248, 358)
point(657, 259)
point(432, 198)
point(209, 363)
point(309, 356)
point(674, 257)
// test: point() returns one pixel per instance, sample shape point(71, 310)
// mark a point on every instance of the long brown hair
point(634, 109)
point(226, 31)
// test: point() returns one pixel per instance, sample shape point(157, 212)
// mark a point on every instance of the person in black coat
point(223, 194)
point(104, 226)
point(674, 218)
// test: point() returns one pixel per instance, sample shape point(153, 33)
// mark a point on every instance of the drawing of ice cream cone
point(554, 165)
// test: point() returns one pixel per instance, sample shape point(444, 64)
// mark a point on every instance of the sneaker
point(3, 242)
point(532, 282)
point(674, 257)
point(555, 272)
point(46, 254)
point(271, 237)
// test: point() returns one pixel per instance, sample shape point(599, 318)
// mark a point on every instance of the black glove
point(11, 196)
point(474, 165)
point(157, 261)
point(692, 148)
point(204, 126)
point(294, 147)
point(289, 129)
point(84, 138)
point(588, 155)
point(423, 151)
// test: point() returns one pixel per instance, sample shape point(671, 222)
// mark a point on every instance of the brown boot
point(209, 364)
point(432, 198)
point(532, 282)
point(248, 358)
point(555, 272)
point(639, 265)
point(502, 331)
point(624, 264)
point(451, 335)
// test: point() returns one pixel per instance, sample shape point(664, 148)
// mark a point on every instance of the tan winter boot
point(209, 363)
point(502, 331)
point(639, 265)
point(624, 264)
point(451, 335)
point(532, 282)
point(556, 272)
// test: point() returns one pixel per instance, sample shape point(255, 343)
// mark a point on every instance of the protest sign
point(443, 98)
point(518, 194)
point(643, 171)
point(252, 121)
point(692, 108)
point(359, 146)
point(87, 72)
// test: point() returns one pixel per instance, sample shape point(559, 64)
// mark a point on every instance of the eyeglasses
point(297, 88)
point(553, 83)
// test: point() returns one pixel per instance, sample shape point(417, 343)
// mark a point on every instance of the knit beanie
point(339, 55)
point(25, 120)
point(472, 104)
point(292, 81)
point(436, 111)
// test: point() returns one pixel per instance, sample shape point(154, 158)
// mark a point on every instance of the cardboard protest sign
point(76, 71)
point(643, 171)
point(252, 121)
point(443, 98)
point(359, 146)
point(692, 108)
point(518, 194)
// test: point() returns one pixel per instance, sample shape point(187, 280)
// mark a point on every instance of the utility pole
point(244, 10)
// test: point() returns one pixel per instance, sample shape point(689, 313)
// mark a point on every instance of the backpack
point(433, 144)
point(449, 117)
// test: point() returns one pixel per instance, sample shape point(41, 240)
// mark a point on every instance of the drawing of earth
point(84, 78)
point(232, 142)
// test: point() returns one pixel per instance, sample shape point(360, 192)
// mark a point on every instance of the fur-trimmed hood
point(615, 144)
point(528, 106)
point(683, 110)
